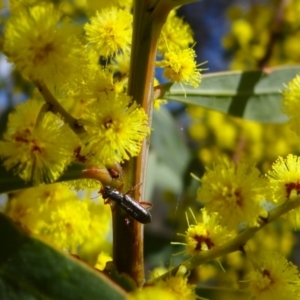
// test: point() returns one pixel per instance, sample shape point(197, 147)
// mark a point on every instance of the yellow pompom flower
point(70, 218)
point(21, 4)
point(242, 31)
point(180, 66)
point(97, 81)
point(152, 292)
point(176, 286)
point(121, 65)
point(158, 102)
point(94, 5)
point(234, 191)
point(96, 238)
point(115, 128)
point(274, 278)
point(284, 179)
point(291, 13)
point(175, 34)
point(291, 98)
point(52, 212)
point(205, 235)
point(37, 151)
point(102, 259)
point(284, 184)
point(110, 31)
point(41, 45)
point(101, 81)
point(180, 287)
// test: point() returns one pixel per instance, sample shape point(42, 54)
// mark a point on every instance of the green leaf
point(169, 153)
point(10, 182)
point(253, 95)
point(167, 140)
point(30, 269)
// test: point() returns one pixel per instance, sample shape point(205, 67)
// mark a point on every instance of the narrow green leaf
point(253, 95)
point(31, 269)
point(168, 141)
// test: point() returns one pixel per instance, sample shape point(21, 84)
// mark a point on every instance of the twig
point(56, 107)
point(276, 31)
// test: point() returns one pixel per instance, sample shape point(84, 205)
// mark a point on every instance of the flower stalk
point(56, 107)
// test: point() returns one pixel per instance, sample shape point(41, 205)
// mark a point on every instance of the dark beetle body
point(133, 208)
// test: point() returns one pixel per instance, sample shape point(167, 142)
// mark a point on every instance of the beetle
point(127, 203)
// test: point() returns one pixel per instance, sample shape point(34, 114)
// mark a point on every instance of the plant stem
point(128, 252)
point(234, 244)
point(276, 31)
point(148, 20)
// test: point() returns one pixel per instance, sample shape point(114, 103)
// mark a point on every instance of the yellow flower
point(177, 285)
point(284, 184)
point(175, 34)
point(101, 81)
point(291, 13)
point(21, 4)
point(96, 238)
point(180, 287)
point(284, 179)
point(180, 66)
point(41, 45)
point(152, 292)
point(234, 191)
point(158, 102)
point(97, 81)
point(102, 259)
point(205, 235)
point(115, 128)
point(274, 278)
point(156, 272)
point(52, 212)
point(110, 31)
point(94, 5)
point(121, 65)
point(242, 31)
point(37, 151)
point(291, 103)
point(70, 219)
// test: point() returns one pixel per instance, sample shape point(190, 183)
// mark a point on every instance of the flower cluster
point(242, 139)
point(234, 191)
point(56, 53)
point(274, 278)
point(54, 213)
point(253, 31)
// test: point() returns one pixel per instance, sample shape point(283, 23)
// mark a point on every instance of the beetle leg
point(146, 205)
point(133, 188)
point(107, 201)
